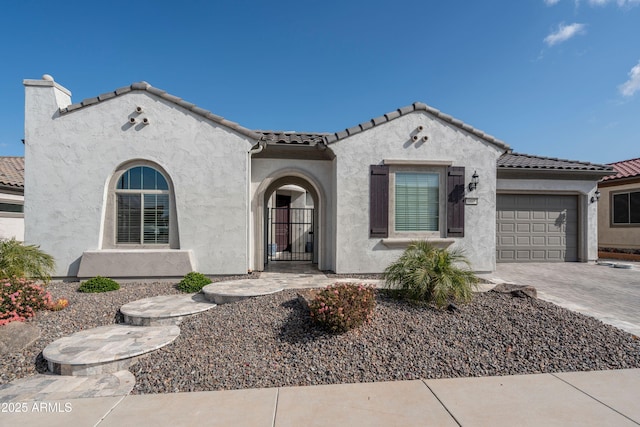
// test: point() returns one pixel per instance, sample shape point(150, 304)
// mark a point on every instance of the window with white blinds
point(142, 195)
point(416, 201)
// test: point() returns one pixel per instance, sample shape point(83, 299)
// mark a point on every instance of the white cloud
point(621, 3)
point(632, 85)
point(551, 2)
point(564, 33)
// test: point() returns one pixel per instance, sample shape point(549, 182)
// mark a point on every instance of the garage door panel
point(538, 241)
point(536, 228)
point(507, 240)
point(507, 227)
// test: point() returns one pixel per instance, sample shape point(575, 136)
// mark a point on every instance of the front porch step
point(105, 349)
point(164, 309)
point(236, 290)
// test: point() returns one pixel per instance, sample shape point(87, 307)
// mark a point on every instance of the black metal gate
point(290, 234)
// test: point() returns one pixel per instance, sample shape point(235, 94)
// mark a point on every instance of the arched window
point(142, 207)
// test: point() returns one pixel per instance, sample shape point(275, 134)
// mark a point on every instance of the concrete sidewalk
point(579, 398)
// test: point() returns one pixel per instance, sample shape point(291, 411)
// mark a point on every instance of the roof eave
point(146, 87)
point(416, 106)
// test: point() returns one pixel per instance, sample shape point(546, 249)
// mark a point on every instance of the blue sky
point(558, 78)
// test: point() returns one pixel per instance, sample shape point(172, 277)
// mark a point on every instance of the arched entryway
point(288, 218)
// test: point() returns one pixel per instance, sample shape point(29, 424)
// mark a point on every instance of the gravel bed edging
point(269, 342)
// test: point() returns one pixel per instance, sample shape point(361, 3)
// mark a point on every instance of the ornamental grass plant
point(430, 274)
point(28, 261)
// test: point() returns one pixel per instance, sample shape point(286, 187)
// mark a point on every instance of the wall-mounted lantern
point(474, 181)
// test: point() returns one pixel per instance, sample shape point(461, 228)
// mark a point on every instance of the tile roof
point(519, 161)
point(625, 169)
point(296, 138)
point(12, 172)
point(416, 106)
point(144, 86)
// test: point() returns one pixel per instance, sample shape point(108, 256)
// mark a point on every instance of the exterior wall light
point(474, 181)
point(595, 197)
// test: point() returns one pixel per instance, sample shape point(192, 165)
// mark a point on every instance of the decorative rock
point(520, 291)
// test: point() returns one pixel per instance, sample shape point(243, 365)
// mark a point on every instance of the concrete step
point(236, 290)
point(50, 387)
point(164, 309)
point(106, 348)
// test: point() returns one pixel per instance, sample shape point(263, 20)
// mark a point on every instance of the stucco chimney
point(45, 97)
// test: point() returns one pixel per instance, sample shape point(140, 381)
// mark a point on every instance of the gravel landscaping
point(269, 341)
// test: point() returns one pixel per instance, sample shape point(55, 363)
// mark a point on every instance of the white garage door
point(537, 228)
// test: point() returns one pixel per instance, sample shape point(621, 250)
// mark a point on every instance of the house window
point(626, 208)
point(11, 207)
point(142, 205)
point(417, 201)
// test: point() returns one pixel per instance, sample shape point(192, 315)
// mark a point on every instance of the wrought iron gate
point(290, 234)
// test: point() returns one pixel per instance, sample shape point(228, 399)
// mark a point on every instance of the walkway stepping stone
point(164, 309)
point(236, 290)
point(50, 387)
point(106, 348)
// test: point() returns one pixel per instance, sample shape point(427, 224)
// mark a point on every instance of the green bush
point(193, 282)
point(28, 261)
point(99, 284)
point(343, 306)
point(426, 273)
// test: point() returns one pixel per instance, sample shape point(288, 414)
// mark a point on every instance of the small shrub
point(426, 273)
point(59, 305)
point(20, 260)
point(99, 284)
point(20, 299)
point(193, 282)
point(343, 306)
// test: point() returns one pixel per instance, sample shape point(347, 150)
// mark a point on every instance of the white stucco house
point(140, 183)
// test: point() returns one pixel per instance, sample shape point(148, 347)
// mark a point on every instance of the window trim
point(612, 207)
point(441, 171)
point(110, 228)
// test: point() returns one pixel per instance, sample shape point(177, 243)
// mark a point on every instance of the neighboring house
point(12, 198)
point(137, 182)
point(619, 211)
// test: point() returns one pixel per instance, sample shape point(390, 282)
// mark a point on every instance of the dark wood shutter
point(455, 201)
point(379, 201)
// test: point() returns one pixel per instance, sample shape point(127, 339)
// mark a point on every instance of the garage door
point(537, 228)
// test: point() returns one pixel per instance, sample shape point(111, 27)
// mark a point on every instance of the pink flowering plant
point(343, 306)
point(21, 298)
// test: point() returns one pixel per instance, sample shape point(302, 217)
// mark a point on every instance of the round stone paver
point(105, 348)
point(236, 290)
point(55, 387)
point(164, 309)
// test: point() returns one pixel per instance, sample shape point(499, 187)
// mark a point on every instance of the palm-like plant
point(27, 261)
point(426, 273)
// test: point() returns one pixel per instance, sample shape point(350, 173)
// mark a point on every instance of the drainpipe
point(250, 231)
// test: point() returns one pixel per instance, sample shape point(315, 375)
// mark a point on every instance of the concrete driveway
point(611, 295)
